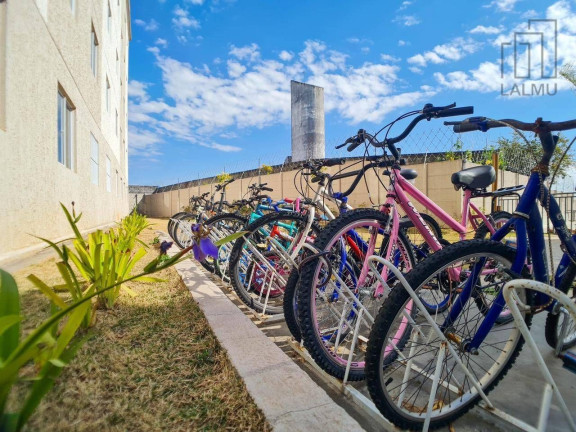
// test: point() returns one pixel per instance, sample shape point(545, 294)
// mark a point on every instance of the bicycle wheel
point(220, 227)
point(437, 297)
point(499, 218)
point(329, 299)
point(421, 249)
point(555, 321)
point(181, 229)
point(290, 306)
point(171, 223)
point(399, 371)
point(259, 267)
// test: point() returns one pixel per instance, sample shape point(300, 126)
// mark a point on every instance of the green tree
point(568, 72)
point(518, 156)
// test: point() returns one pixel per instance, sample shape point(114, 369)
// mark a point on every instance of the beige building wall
point(433, 180)
point(45, 46)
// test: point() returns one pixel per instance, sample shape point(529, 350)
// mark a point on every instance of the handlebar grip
point(263, 184)
point(466, 127)
point(333, 162)
point(267, 189)
point(456, 112)
point(353, 146)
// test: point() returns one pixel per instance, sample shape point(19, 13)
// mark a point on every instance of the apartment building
point(63, 117)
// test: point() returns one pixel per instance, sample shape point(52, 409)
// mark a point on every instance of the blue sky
point(210, 79)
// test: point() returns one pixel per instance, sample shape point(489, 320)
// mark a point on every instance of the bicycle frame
point(399, 195)
point(527, 223)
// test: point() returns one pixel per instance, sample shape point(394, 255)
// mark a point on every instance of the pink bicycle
point(335, 293)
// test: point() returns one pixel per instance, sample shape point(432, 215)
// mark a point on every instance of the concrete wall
point(433, 179)
point(137, 193)
point(46, 46)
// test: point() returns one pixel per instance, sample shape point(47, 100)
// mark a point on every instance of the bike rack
point(513, 303)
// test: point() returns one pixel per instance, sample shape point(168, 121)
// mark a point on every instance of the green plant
point(49, 348)
point(102, 260)
point(568, 72)
point(223, 177)
point(129, 229)
point(520, 156)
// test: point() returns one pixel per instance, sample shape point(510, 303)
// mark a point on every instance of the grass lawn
point(151, 363)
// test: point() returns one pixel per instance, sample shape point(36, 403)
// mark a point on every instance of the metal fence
point(429, 144)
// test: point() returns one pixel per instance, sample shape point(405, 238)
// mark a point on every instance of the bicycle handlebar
point(428, 112)
point(542, 128)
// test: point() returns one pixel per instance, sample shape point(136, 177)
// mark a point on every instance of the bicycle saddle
point(407, 173)
point(479, 177)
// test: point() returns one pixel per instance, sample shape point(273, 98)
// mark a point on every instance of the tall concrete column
point(307, 121)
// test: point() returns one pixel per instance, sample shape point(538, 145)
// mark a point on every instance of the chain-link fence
point(430, 144)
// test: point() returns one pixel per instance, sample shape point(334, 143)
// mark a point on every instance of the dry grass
point(150, 364)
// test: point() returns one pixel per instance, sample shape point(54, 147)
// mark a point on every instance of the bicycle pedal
point(569, 361)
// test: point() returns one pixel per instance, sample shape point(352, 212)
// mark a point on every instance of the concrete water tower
point(307, 121)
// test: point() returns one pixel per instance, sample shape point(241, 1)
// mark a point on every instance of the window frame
point(94, 162)
point(66, 130)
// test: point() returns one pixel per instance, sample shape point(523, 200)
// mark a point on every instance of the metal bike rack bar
point(513, 303)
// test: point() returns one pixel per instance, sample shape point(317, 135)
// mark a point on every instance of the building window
point(107, 95)
point(65, 131)
point(94, 53)
point(109, 19)
point(94, 160)
point(108, 175)
point(73, 5)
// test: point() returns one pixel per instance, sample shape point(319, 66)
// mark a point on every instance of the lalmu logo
point(532, 59)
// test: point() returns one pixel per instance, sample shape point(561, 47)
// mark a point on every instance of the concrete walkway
point(288, 397)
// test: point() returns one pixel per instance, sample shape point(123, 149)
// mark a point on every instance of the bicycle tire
point(316, 344)
point(171, 222)
point(236, 223)
point(553, 324)
point(383, 360)
point(483, 232)
point(239, 270)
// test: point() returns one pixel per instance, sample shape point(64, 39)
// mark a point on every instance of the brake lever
point(348, 141)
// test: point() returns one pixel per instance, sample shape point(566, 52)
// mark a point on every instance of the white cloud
point(182, 19)
point(403, 43)
point(404, 5)
point(198, 102)
point(249, 52)
point(502, 5)
point(365, 50)
point(389, 58)
point(485, 30)
point(225, 148)
point(148, 26)
point(137, 89)
point(286, 56)
point(488, 77)
point(161, 42)
point(235, 69)
point(407, 20)
point(196, 2)
point(451, 51)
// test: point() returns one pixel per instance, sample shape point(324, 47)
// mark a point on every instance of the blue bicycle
point(402, 366)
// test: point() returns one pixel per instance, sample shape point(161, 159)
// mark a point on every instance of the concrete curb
point(288, 397)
